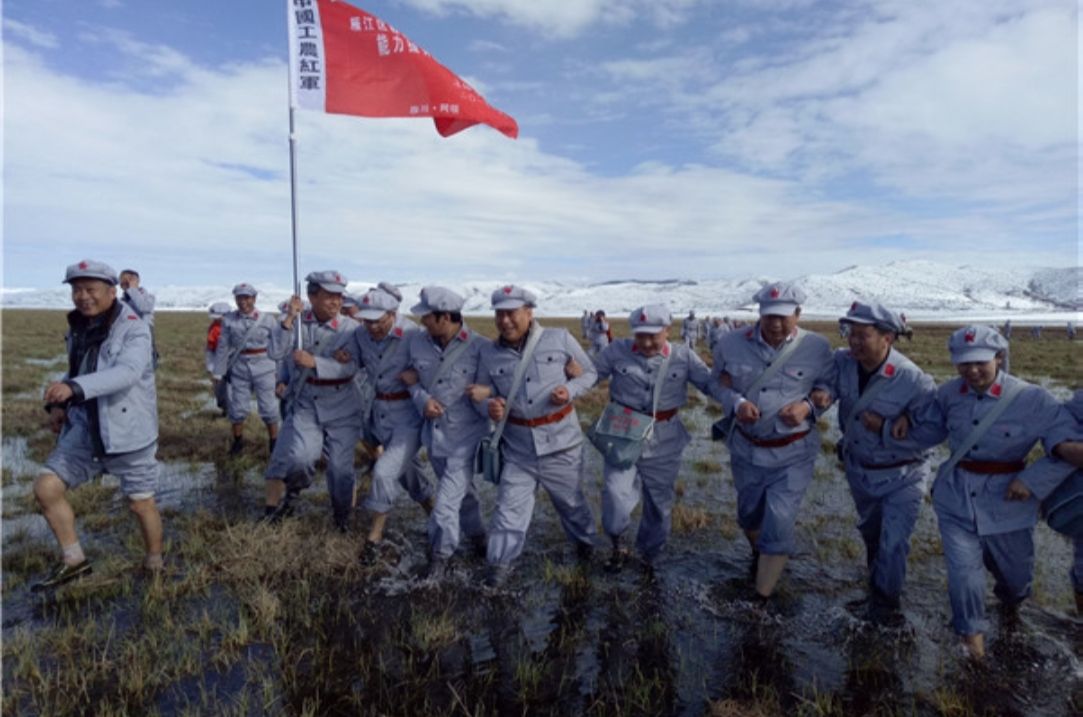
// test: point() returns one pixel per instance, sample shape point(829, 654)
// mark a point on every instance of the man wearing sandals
point(768, 373)
point(106, 412)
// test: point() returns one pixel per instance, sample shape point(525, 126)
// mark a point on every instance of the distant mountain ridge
point(919, 288)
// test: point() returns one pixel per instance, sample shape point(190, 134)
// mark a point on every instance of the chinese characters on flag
point(345, 61)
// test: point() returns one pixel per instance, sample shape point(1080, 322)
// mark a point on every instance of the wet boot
point(237, 447)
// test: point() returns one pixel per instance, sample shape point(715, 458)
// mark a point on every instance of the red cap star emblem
point(969, 337)
point(83, 265)
point(338, 278)
point(853, 306)
point(774, 292)
point(643, 316)
point(507, 289)
point(889, 370)
point(365, 299)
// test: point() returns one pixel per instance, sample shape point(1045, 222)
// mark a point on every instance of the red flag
point(345, 61)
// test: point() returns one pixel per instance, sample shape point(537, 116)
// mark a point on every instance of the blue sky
point(658, 138)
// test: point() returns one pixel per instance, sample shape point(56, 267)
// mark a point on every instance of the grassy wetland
point(249, 619)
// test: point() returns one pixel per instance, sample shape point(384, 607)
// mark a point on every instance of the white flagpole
point(291, 40)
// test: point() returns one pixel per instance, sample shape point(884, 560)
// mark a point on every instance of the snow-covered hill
point(921, 289)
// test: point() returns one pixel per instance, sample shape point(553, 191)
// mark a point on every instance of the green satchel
point(620, 432)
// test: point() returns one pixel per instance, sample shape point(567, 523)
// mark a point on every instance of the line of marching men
point(511, 402)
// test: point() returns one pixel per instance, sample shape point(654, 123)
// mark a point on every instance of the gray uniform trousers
point(978, 526)
point(548, 455)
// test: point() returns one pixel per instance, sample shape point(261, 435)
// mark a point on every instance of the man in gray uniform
point(542, 442)
point(380, 347)
point(323, 411)
point(105, 409)
point(598, 335)
point(768, 372)
point(634, 366)
point(443, 362)
point(690, 330)
point(141, 301)
point(875, 384)
point(243, 360)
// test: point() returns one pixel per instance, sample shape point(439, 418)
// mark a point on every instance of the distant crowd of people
point(329, 370)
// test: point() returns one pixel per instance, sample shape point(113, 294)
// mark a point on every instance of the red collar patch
point(255, 314)
point(308, 315)
point(748, 334)
point(334, 323)
point(965, 388)
point(635, 349)
point(995, 390)
point(397, 331)
point(889, 370)
point(132, 317)
point(464, 335)
point(665, 349)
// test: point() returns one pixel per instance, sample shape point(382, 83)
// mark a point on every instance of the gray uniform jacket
point(544, 374)
point(458, 430)
point(235, 326)
point(123, 385)
point(384, 361)
point(632, 378)
point(142, 301)
point(905, 388)
point(744, 355)
point(1033, 415)
point(329, 387)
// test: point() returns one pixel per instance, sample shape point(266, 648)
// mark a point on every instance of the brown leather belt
point(992, 468)
point(253, 352)
point(327, 381)
point(396, 396)
point(659, 415)
point(542, 420)
point(885, 466)
point(774, 442)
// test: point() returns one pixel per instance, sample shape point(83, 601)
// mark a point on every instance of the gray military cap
point(976, 344)
point(779, 299)
point(219, 308)
point(375, 303)
point(437, 298)
point(90, 269)
point(243, 289)
point(876, 315)
point(512, 297)
point(391, 289)
point(650, 319)
point(349, 300)
point(328, 280)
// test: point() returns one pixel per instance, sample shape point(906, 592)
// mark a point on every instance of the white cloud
point(30, 34)
point(567, 18)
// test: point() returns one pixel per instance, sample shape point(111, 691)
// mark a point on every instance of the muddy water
point(562, 640)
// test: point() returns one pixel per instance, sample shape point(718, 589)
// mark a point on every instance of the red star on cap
point(969, 337)
point(83, 265)
point(774, 292)
point(643, 316)
point(338, 277)
point(507, 289)
point(853, 306)
point(365, 299)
